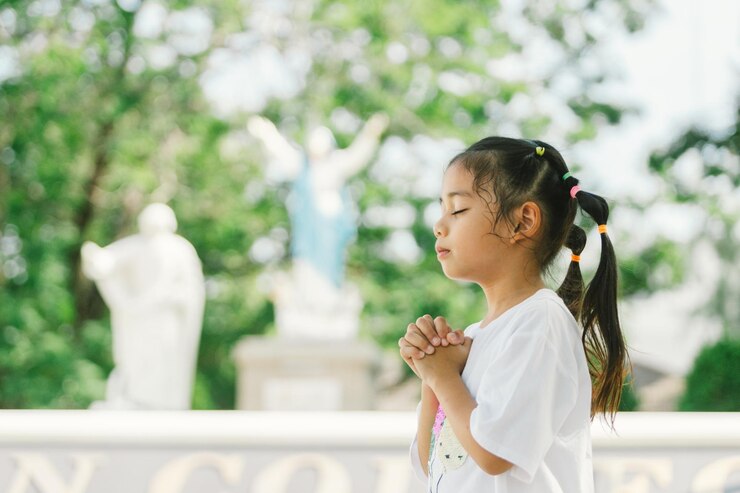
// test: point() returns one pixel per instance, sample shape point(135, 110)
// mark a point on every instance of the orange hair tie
point(602, 229)
point(575, 258)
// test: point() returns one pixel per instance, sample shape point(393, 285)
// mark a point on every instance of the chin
point(455, 276)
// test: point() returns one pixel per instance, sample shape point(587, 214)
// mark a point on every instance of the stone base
point(305, 375)
point(309, 306)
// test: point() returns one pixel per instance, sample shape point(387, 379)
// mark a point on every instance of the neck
point(508, 291)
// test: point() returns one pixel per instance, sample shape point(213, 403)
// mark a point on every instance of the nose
point(438, 229)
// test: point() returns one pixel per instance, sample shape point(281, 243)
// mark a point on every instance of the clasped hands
point(433, 350)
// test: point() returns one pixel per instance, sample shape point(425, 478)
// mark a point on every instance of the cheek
point(477, 236)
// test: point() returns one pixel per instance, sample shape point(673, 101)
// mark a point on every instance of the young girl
point(507, 405)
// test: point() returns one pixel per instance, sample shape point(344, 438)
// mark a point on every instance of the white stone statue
point(153, 284)
point(313, 300)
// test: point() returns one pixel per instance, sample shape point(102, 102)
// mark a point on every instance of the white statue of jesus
point(313, 300)
point(153, 284)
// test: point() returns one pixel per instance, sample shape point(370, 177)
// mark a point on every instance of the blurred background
point(108, 106)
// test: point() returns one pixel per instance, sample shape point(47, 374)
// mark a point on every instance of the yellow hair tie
point(575, 258)
point(602, 229)
point(540, 151)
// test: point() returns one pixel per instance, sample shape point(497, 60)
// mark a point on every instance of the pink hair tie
point(574, 191)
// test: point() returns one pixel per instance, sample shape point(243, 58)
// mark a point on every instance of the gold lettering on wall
point(642, 472)
point(173, 476)
point(713, 478)
point(38, 470)
point(332, 477)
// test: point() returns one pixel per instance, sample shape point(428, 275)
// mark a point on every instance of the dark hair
point(509, 172)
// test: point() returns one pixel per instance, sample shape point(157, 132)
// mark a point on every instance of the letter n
point(37, 469)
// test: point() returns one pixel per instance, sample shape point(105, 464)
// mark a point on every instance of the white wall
point(233, 451)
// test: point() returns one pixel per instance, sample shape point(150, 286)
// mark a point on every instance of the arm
point(429, 404)
point(458, 405)
point(413, 345)
point(278, 146)
point(351, 160)
point(442, 371)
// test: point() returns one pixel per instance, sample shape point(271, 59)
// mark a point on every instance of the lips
point(442, 252)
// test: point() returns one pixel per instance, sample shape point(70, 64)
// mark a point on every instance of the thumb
point(456, 337)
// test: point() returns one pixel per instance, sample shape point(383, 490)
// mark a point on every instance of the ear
point(529, 217)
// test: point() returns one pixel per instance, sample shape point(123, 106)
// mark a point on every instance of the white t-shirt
point(528, 373)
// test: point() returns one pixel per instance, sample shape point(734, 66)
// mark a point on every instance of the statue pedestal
point(276, 374)
point(308, 306)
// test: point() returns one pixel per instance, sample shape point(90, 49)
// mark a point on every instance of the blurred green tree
point(101, 115)
point(713, 384)
point(702, 168)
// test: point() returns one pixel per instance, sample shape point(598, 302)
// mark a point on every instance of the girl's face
point(468, 246)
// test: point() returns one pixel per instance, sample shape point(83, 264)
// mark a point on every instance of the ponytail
point(571, 290)
point(602, 338)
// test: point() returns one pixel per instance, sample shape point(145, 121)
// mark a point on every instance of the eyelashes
point(455, 213)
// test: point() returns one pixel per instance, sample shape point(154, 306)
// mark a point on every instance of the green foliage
point(91, 132)
point(629, 400)
point(658, 266)
point(715, 180)
point(713, 384)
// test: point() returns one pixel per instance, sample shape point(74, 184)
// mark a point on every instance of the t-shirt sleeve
point(524, 396)
point(414, 453)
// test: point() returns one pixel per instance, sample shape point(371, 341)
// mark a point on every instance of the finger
point(416, 338)
point(456, 337)
point(419, 341)
point(410, 351)
point(411, 362)
point(426, 324)
point(442, 328)
point(415, 334)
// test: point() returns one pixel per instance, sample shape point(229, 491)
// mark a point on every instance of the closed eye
point(458, 212)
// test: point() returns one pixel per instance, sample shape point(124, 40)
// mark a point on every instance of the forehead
point(457, 179)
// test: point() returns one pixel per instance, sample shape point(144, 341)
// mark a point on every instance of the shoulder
point(545, 304)
point(544, 316)
point(471, 328)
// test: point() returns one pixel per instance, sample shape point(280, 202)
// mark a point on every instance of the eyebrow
point(458, 192)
